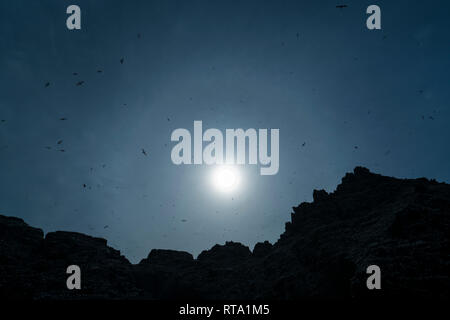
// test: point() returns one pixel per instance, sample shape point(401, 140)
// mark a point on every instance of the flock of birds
point(144, 152)
point(59, 147)
point(80, 83)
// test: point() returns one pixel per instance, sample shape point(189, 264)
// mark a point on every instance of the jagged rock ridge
point(401, 225)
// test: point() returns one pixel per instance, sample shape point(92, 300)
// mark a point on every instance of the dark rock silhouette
point(262, 249)
point(167, 257)
point(228, 254)
point(401, 225)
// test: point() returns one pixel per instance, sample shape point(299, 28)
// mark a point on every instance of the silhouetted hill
point(401, 225)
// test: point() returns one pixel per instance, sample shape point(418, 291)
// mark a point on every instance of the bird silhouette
point(59, 142)
point(122, 60)
point(303, 144)
point(341, 6)
point(144, 153)
point(79, 83)
point(47, 84)
point(63, 119)
point(99, 71)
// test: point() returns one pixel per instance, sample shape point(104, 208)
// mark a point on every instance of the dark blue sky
point(231, 64)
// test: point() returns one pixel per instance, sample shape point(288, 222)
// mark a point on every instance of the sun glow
point(226, 178)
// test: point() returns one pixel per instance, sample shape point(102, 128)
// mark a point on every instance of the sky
point(340, 94)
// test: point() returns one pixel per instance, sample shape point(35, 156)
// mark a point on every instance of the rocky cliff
point(401, 225)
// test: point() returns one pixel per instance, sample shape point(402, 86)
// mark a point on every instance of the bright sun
point(225, 178)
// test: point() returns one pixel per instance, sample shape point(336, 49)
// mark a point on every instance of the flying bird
point(59, 142)
point(121, 61)
point(63, 119)
point(139, 35)
point(75, 73)
point(303, 144)
point(62, 150)
point(183, 220)
point(47, 84)
point(144, 153)
point(341, 6)
point(105, 227)
point(99, 71)
point(80, 83)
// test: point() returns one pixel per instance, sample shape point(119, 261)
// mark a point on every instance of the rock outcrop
point(401, 225)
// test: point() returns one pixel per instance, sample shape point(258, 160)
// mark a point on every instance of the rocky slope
point(400, 225)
